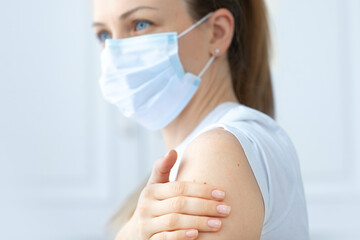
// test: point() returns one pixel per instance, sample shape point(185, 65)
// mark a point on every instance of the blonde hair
point(248, 57)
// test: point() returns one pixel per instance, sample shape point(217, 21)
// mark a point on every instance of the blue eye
point(141, 25)
point(103, 36)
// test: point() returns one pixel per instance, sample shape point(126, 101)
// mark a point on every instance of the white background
point(68, 159)
point(317, 87)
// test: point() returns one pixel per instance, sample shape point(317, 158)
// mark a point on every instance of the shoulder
point(212, 138)
point(216, 157)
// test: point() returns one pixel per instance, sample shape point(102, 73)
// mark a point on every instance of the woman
point(199, 71)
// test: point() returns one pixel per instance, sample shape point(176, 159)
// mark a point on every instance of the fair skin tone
point(215, 149)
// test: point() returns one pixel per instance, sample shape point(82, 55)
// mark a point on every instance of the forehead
point(110, 8)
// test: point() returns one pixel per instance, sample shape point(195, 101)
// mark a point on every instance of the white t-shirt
point(274, 162)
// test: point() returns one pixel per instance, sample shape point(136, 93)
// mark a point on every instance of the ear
point(222, 31)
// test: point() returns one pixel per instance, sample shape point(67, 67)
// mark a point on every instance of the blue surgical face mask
point(144, 78)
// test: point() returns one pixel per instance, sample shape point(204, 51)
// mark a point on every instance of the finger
point(179, 234)
point(162, 167)
point(176, 221)
point(190, 189)
point(190, 206)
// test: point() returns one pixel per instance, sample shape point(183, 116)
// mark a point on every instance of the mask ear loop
point(217, 51)
point(195, 25)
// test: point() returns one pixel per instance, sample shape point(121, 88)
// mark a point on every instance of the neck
point(208, 96)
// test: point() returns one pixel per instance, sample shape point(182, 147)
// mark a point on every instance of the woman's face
point(118, 19)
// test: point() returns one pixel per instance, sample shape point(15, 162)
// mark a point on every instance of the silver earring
point(217, 51)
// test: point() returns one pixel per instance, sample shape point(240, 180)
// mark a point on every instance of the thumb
point(162, 167)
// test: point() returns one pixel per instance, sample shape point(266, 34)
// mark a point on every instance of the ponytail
point(248, 55)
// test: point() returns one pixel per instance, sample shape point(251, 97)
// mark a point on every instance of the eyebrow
point(126, 15)
point(97, 24)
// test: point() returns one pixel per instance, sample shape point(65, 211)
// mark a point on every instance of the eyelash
point(135, 23)
point(99, 36)
point(133, 28)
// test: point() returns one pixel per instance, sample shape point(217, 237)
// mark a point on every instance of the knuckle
point(178, 204)
point(147, 191)
point(198, 223)
point(178, 235)
point(208, 207)
point(172, 220)
point(163, 236)
point(179, 188)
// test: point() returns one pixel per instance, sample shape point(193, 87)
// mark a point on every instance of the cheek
point(193, 52)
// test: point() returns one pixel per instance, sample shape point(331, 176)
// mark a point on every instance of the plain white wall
point(316, 72)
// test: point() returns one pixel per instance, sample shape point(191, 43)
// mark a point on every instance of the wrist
point(127, 232)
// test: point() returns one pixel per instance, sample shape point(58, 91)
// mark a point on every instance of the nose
point(119, 33)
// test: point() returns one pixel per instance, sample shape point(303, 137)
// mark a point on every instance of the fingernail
point(192, 233)
point(223, 209)
point(214, 223)
point(218, 194)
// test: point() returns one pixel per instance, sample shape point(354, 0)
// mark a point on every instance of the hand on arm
point(217, 158)
point(168, 210)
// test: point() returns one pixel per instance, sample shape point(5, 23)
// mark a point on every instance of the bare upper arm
point(216, 157)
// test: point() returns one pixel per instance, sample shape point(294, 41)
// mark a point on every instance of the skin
point(215, 149)
point(217, 158)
